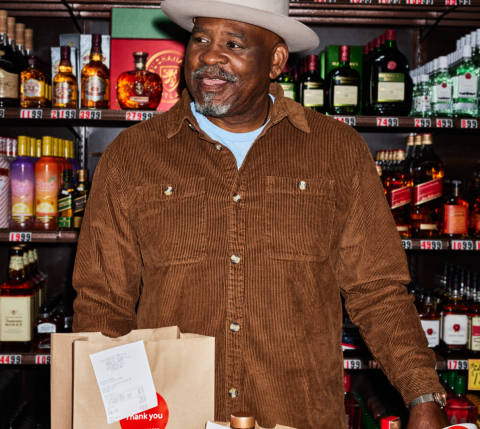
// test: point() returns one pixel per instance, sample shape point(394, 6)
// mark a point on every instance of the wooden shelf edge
point(7, 236)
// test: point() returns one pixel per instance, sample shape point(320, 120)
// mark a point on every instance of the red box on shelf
point(165, 57)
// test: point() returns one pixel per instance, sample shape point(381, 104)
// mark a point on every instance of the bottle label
point(65, 203)
point(16, 318)
point(79, 204)
point(63, 92)
point(432, 332)
point(442, 93)
point(427, 191)
point(345, 95)
point(32, 88)
point(465, 86)
point(8, 84)
point(46, 188)
point(313, 97)
point(476, 222)
point(422, 103)
point(455, 329)
point(16, 263)
point(288, 90)
point(455, 219)
point(95, 88)
point(46, 328)
point(139, 100)
point(400, 197)
point(474, 340)
point(391, 87)
point(22, 197)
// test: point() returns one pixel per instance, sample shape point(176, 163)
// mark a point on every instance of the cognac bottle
point(96, 78)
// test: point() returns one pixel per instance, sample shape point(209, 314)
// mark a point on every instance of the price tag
point(42, 359)
point(373, 364)
point(63, 114)
point(468, 123)
point(361, 1)
point(461, 245)
point(387, 122)
point(407, 244)
point(133, 115)
point(325, 1)
point(90, 114)
point(450, 2)
point(20, 236)
point(473, 374)
point(464, 2)
point(31, 113)
point(352, 364)
point(459, 364)
point(431, 245)
point(419, 2)
point(349, 120)
point(477, 245)
point(10, 359)
point(422, 123)
point(388, 1)
point(2, 113)
point(444, 123)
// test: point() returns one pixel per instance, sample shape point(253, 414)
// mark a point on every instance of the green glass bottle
point(465, 86)
point(287, 82)
point(442, 90)
point(422, 101)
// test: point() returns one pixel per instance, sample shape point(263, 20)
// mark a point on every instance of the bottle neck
point(96, 55)
point(391, 44)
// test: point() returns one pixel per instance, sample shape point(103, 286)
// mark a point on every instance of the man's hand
point(427, 416)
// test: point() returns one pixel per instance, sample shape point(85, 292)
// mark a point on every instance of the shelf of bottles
point(441, 244)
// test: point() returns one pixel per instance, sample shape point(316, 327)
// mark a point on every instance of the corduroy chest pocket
point(172, 222)
point(299, 217)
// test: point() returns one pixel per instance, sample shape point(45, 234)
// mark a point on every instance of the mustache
point(216, 71)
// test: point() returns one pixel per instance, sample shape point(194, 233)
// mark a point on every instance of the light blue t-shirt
point(238, 143)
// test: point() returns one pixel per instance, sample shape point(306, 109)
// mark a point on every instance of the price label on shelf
point(387, 122)
point(90, 114)
point(2, 113)
point(477, 245)
point(20, 236)
point(133, 115)
point(444, 123)
point(31, 113)
point(459, 364)
point(63, 114)
point(419, 2)
point(352, 364)
point(468, 123)
point(461, 245)
point(464, 2)
point(42, 359)
point(325, 1)
point(422, 122)
point(361, 1)
point(10, 359)
point(349, 120)
point(473, 374)
point(389, 2)
point(407, 244)
point(431, 244)
point(373, 364)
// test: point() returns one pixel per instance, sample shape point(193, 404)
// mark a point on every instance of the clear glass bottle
point(65, 88)
point(423, 107)
point(32, 86)
point(442, 90)
point(430, 320)
point(44, 327)
point(465, 86)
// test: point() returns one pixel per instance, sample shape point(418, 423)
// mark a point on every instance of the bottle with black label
point(80, 198)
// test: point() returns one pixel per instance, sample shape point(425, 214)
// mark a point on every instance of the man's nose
point(213, 54)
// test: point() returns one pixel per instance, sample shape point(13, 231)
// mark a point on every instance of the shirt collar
point(282, 108)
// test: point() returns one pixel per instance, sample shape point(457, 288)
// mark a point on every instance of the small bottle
point(242, 421)
point(65, 88)
point(312, 86)
point(65, 202)
point(139, 88)
point(44, 327)
point(430, 320)
point(96, 78)
point(32, 86)
point(465, 86)
point(455, 211)
point(459, 409)
point(80, 199)
point(287, 82)
point(353, 411)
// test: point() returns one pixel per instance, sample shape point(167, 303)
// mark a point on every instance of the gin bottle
point(442, 90)
point(465, 86)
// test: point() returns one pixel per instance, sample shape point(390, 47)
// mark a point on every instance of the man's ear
point(279, 59)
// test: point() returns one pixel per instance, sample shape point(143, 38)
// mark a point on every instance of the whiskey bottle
point(430, 320)
point(287, 82)
point(65, 90)
point(343, 86)
point(474, 203)
point(139, 88)
point(32, 86)
point(9, 72)
point(312, 86)
point(242, 421)
point(353, 411)
point(80, 199)
point(65, 202)
point(459, 409)
point(44, 327)
point(95, 78)
point(427, 175)
point(20, 46)
point(474, 317)
point(455, 211)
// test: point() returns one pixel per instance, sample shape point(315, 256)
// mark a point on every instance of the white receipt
point(125, 381)
point(211, 425)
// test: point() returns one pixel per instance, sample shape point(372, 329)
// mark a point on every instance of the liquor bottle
point(455, 211)
point(286, 81)
point(465, 86)
point(80, 199)
point(96, 78)
point(65, 202)
point(28, 42)
point(139, 88)
point(343, 86)
point(9, 72)
point(427, 175)
point(353, 411)
point(312, 86)
point(441, 97)
point(474, 317)
point(20, 46)
point(242, 421)
point(11, 32)
point(423, 106)
point(65, 89)
point(44, 327)
point(391, 82)
point(430, 320)
point(46, 187)
point(474, 203)
point(409, 152)
point(22, 181)
point(390, 422)
point(71, 159)
point(459, 409)
point(32, 86)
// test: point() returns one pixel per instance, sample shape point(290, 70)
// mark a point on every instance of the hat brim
point(296, 35)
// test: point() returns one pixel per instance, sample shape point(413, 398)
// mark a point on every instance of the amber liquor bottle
point(139, 88)
point(455, 211)
point(95, 78)
point(312, 86)
point(32, 86)
point(427, 174)
point(343, 86)
point(9, 71)
point(65, 89)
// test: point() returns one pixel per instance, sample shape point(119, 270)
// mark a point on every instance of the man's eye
point(233, 45)
point(199, 39)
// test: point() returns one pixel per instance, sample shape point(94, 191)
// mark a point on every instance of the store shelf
point(38, 236)
point(24, 358)
point(468, 245)
point(453, 363)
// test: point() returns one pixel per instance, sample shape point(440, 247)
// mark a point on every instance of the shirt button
point(233, 393)
point(218, 146)
point(234, 327)
point(302, 185)
point(235, 259)
point(191, 126)
point(168, 191)
point(236, 198)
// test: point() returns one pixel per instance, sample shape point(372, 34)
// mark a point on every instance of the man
point(241, 215)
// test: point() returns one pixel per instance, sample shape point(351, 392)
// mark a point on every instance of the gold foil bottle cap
point(29, 39)
point(20, 33)
point(11, 28)
point(3, 21)
point(242, 421)
point(427, 139)
point(400, 155)
point(82, 175)
point(418, 140)
point(411, 139)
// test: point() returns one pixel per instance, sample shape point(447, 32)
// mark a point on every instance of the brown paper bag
point(182, 367)
point(259, 427)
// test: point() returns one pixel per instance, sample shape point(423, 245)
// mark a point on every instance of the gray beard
point(209, 108)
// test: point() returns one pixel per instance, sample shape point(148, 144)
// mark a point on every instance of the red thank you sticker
point(154, 418)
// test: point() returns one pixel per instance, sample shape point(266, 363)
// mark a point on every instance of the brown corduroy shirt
point(175, 234)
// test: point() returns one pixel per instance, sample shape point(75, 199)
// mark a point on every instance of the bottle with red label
point(427, 174)
point(459, 409)
point(353, 409)
point(430, 320)
point(455, 211)
point(474, 316)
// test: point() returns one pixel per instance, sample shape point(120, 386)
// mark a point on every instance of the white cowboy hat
point(269, 14)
